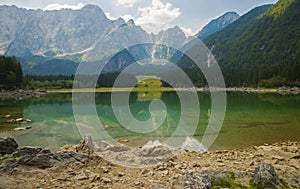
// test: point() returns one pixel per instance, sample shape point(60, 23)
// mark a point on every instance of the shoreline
point(21, 93)
point(293, 90)
point(80, 167)
point(30, 93)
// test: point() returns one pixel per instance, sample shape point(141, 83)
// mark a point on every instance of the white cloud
point(64, 6)
point(157, 16)
point(109, 16)
point(127, 17)
point(127, 3)
point(187, 31)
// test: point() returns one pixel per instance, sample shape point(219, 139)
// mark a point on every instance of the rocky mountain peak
point(218, 24)
point(130, 22)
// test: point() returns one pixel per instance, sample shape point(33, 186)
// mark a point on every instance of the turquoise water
point(251, 119)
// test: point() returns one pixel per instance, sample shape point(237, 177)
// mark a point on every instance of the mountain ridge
point(217, 24)
point(260, 49)
point(84, 35)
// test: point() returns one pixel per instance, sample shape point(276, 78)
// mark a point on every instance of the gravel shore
point(267, 166)
point(21, 93)
point(79, 167)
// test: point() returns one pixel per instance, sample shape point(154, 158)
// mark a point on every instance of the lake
point(251, 119)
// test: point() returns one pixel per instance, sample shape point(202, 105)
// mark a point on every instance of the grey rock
point(83, 158)
point(197, 180)
point(193, 180)
point(40, 160)
point(118, 148)
point(155, 151)
point(30, 151)
point(265, 176)
point(8, 145)
point(8, 165)
point(69, 156)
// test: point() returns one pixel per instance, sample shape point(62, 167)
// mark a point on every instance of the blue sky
point(154, 15)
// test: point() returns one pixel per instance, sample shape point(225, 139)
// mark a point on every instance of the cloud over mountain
point(157, 16)
point(127, 3)
point(64, 6)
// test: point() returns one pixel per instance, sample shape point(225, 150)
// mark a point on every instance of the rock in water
point(19, 119)
point(20, 129)
point(265, 176)
point(6, 116)
point(8, 145)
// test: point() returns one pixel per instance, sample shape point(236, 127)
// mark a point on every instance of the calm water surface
point(251, 119)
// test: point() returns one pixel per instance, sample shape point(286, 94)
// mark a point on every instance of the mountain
point(218, 24)
point(51, 33)
point(38, 38)
point(261, 48)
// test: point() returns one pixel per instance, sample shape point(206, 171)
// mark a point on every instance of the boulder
point(8, 145)
point(30, 151)
point(265, 176)
point(197, 180)
point(193, 180)
point(40, 160)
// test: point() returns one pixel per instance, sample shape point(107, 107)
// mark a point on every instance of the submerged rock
point(20, 129)
point(8, 145)
point(19, 119)
point(265, 176)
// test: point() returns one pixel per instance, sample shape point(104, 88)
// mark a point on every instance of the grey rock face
point(8, 145)
point(265, 176)
point(50, 32)
point(82, 35)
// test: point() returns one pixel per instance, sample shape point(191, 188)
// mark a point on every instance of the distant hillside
point(262, 48)
point(217, 24)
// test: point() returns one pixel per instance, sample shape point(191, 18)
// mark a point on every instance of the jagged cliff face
point(79, 35)
point(218, 24)
point(51, 33)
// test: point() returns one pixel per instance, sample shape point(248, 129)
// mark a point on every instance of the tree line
point(11, 74)
point(81, 81)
